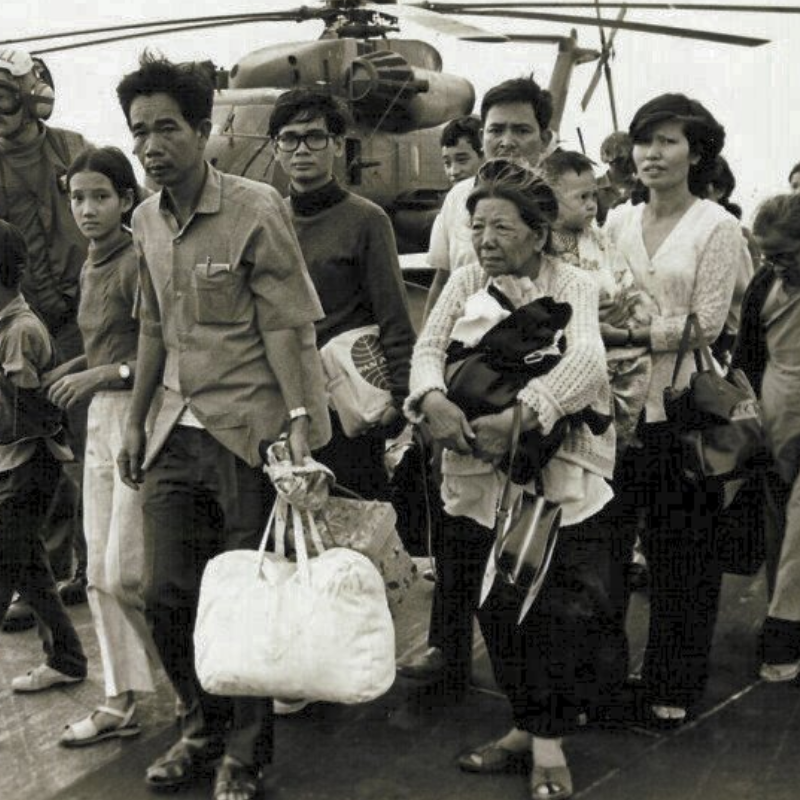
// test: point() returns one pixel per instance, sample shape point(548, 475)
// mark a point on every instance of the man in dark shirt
point(34, 158)
point(349, 247)
point(227, 330)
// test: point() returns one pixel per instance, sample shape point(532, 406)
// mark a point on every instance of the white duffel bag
point(317, 629)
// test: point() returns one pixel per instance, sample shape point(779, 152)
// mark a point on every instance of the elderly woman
point(567, 650)
point(768, 353)
point(685, 252)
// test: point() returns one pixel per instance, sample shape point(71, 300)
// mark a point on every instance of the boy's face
point(577, 200)
point(460, 161)
point(307, 152)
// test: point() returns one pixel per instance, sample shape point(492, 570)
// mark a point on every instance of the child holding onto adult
point(32, 450)
point(579, 241)
point(103, 193)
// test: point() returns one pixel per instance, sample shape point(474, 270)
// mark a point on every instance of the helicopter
point(395, 88)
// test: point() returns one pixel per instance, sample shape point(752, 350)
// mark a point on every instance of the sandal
point(491, 757)
point(86, 732)
point(551, 783)
point(235, 781)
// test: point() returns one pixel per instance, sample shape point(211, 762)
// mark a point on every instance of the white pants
point(119, 559)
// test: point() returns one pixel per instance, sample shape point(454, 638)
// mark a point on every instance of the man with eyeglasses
point(34, 157)
point(349, 247)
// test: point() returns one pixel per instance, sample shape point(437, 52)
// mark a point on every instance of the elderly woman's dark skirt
point(570, 653)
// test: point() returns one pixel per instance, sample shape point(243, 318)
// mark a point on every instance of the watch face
point(124, 372)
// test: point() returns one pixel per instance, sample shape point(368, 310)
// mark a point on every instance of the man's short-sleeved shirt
point(210, 290)
point(451, 237)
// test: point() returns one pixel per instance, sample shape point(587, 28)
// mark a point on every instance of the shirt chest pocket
point(218, 293)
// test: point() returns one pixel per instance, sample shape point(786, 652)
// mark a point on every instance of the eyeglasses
point(10, 101)
point(314, 140)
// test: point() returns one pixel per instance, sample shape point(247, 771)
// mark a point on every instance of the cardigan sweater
point(349, 248)
point(577, 381)
point(693, 270)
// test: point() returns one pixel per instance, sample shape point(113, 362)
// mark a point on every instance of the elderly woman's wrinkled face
point(503, 241)
point(782, 253)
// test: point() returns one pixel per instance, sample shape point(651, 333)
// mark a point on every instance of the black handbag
point(526, 534)
point(717, 417)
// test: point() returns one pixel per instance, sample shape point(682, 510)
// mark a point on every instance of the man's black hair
point(303, 105)
point(468, 128)
point(795, 169)
point(521, 90)
point(13, 255)
point(189, 85)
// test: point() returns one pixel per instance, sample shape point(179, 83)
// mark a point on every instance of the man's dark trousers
point(201, 500)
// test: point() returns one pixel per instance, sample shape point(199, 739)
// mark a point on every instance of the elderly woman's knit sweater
point(577, 381)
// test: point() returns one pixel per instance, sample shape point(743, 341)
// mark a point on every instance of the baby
point(578, 240)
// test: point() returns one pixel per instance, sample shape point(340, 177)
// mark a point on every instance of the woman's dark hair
point(468, 128)
point(534, 199)
point(13, 255)
point(114, 164)
point(303, 105)
point(779, 214)
point(724, 181)
point(705, 135)
point(189, 85)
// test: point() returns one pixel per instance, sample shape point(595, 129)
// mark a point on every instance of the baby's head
point(462, 150)
point(571, 176)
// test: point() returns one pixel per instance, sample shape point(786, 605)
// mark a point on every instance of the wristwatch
point(125, 373)
point(296, 413)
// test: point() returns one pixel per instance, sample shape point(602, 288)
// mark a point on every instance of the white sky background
point(754, 92)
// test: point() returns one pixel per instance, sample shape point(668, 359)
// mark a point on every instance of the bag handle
point(702, 352)
point(278, 518)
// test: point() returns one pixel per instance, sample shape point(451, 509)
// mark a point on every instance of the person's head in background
point(777, 230)
point(794, 178)
point(13, 260)
point(516, 117)
point(721, 185)
point(462, 150)
point(617, 151)
point(571, 176)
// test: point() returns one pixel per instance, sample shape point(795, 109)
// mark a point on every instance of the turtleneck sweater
point(349, 247)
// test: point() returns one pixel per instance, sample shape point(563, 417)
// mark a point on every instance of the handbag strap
point(277, 520)
point(702, 352)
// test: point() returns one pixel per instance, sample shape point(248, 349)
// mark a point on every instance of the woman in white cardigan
point(571, 645)
point(685, 252)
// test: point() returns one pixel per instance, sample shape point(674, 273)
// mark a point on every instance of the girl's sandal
point(551, 783)
point(86, 732)
point(491, 757)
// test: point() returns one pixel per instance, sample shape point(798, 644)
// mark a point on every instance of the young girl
point(103, 194)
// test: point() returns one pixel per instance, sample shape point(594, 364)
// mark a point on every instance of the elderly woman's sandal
point(86, 731)
point(551, 783)
point(492, 757)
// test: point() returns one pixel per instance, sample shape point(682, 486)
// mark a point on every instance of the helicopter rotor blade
point(298, 14)
point(140, 34)
point(754, 8)
point(420, 15)
point(642, 27)
point(603, 67)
